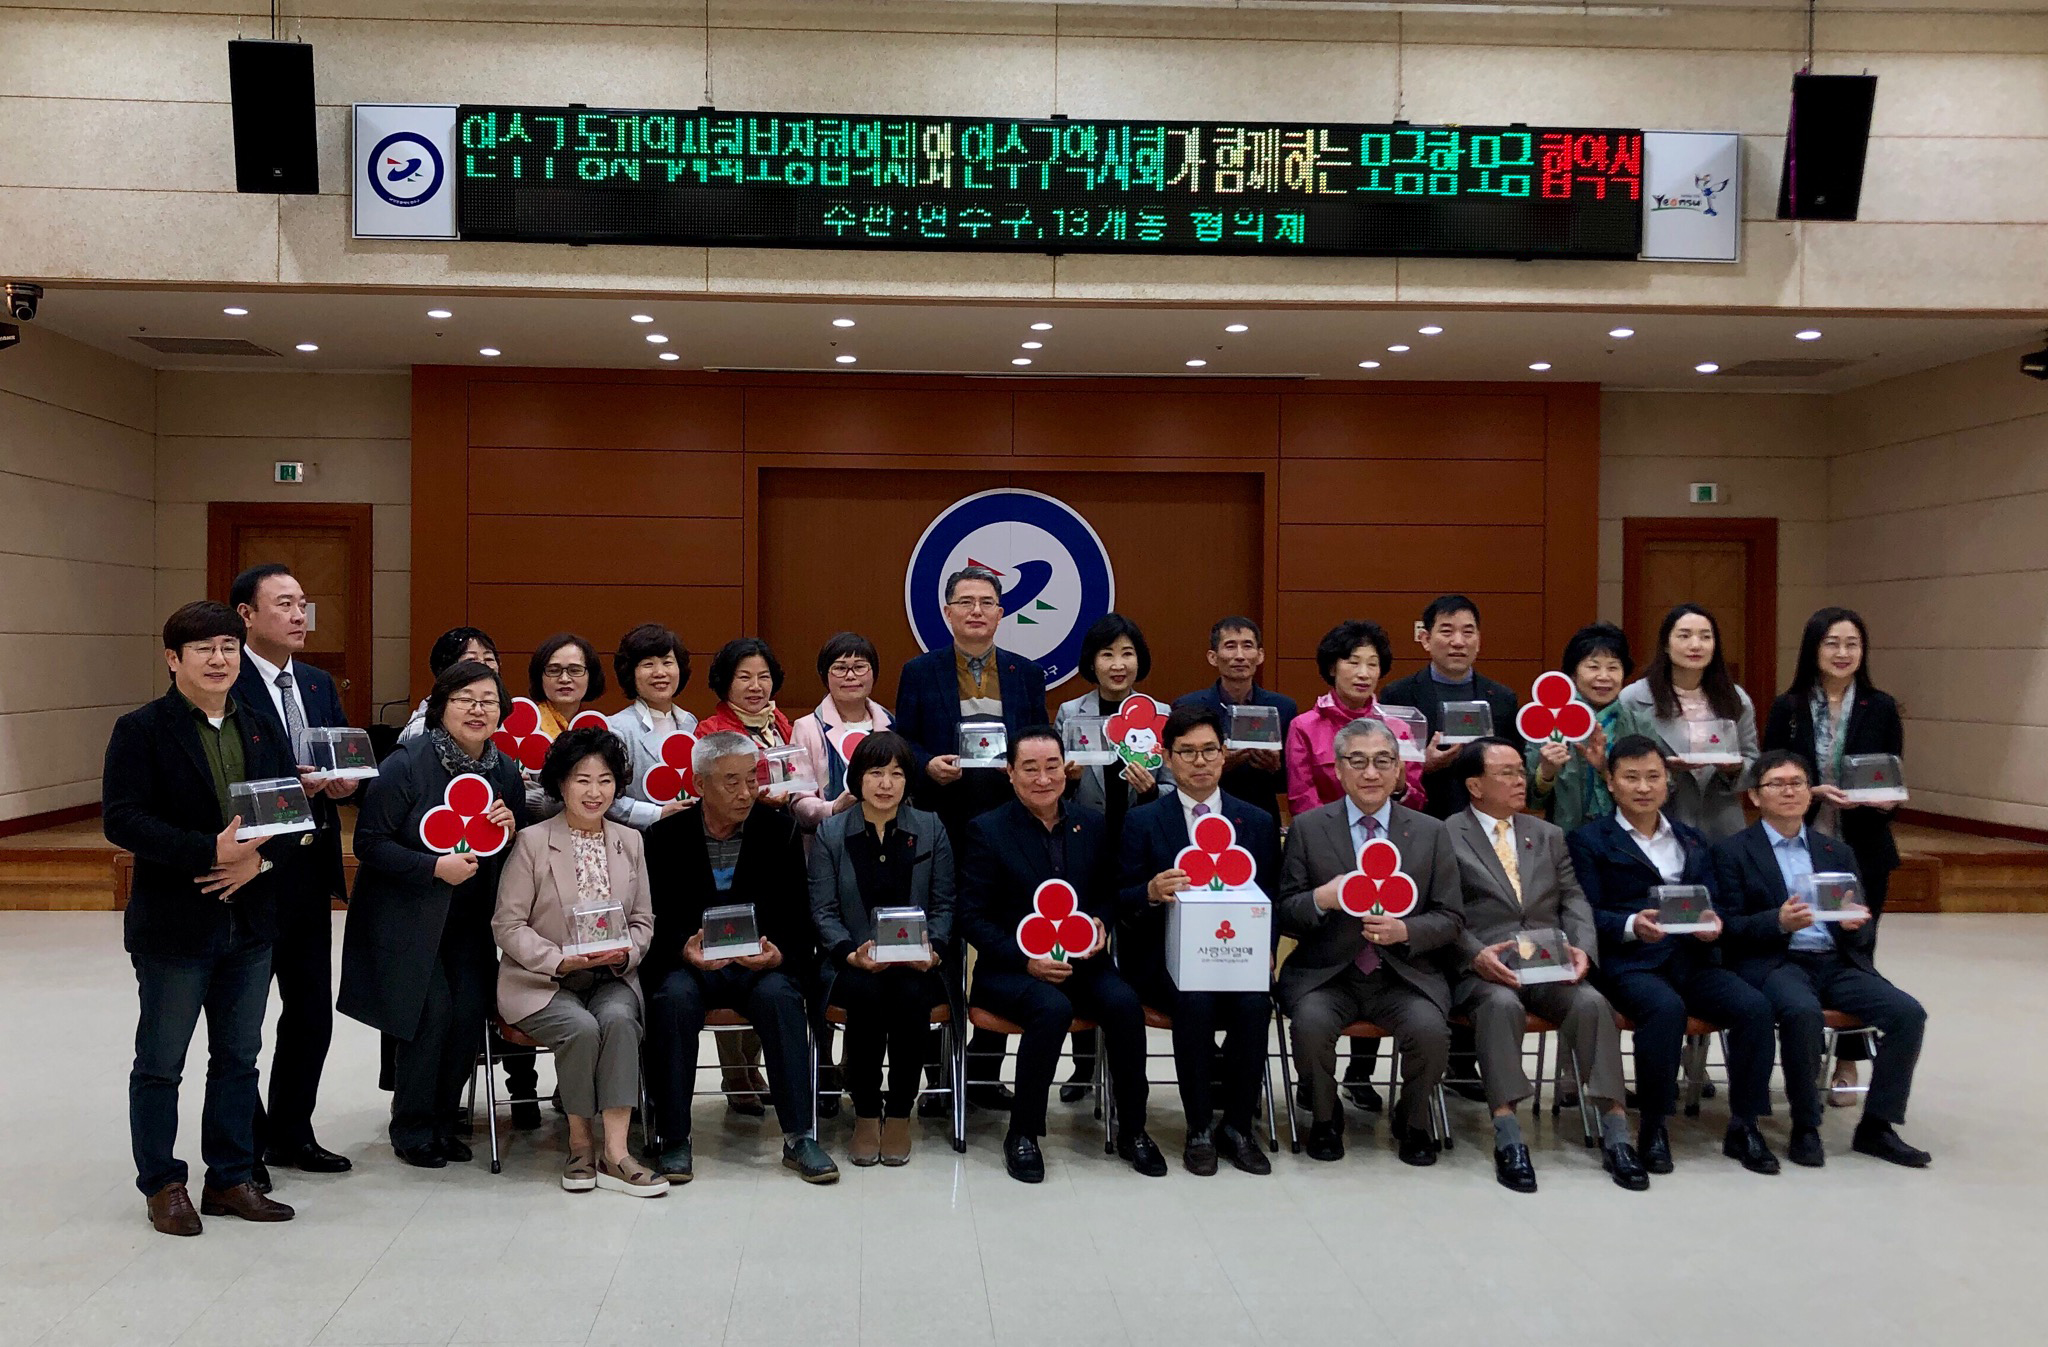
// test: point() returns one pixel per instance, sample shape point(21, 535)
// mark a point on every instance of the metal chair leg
point(490, 1098)
point(1588, 1125)
point(1105, 1099)
point(959, 1071)
point(811, 1037)
point(1287, 1082)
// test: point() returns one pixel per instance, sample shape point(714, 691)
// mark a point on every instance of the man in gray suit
point(1517, 876)
point(1381, 969)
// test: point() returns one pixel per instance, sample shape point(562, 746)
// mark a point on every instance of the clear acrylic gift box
point(1682, 908)
point(1416, 724)
point(983, 743)
point(730, 932)
point(338, 753)
point(1835, 895)
point(789, 770)
point(1465, 721)
point(1540, 956)
point(597, 928)
point(1712, 743)
point(1873, 778)
point(270, 807)
point(1085, 739)
point(901, 935)
point(1254, 727)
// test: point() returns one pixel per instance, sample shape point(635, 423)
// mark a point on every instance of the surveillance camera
point(10, 336)
point(21, 301)
point(2034, 364)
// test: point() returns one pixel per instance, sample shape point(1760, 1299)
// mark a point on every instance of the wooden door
point(1727, 566)
point(328, 550)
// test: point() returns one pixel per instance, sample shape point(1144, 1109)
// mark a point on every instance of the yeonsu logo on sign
point(1055, 574)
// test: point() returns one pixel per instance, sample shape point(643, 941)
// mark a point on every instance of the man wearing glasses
point(1379, 969)
point(1154, 836)
point(1764, 878)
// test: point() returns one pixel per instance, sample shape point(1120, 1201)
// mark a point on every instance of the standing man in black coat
point(200, 915)
point(1450, 633)
point(301, 697)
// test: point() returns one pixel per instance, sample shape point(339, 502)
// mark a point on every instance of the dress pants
point(1805, 984)
point(772, 1003)
point(1244, 1018)
point(1877, 883)
point(428, 1070)
point(1094, 992)
point(302, 961)
point(1420, 1030)
point(1587, 1037)
point(595, 1037)
point(1659, 999)
point(886, 1012)
point(230, 988)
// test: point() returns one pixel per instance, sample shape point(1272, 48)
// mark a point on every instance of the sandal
point(630, 1177)
point(579, 1173)
point(1842, 1091)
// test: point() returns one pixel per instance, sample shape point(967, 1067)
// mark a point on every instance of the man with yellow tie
point(1517, 877)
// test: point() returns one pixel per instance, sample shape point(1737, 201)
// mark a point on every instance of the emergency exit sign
point(292, 473)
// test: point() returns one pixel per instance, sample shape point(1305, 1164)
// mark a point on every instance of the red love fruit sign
point(519, 734)
point(460, 823)
point(849, 742)
point(1378, 888)
point(672, 778)
point(1226, 931)
point(1557, 714)
point(1216, 861)
point(590, 720)
point(1056, 929)
point(1137, 729)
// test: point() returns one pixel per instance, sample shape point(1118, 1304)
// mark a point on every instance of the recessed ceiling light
point(1020, 360)
point(1041, 327)
point(234, 311)
point(1196, 364)
point(844, 359)
point(670, 355)
point(842, 322)
point(307, 346)
point(1397, 350)
point(1033, 345)
point(439, 313)
point(1706, 367)
point(1540, 365)
point(1430, 331)
point(657, 339)
point(1368, 364)
point(643, 317)
point(488, 351)
point(1810, 334)
point(1237, 327)
point(1621, 333)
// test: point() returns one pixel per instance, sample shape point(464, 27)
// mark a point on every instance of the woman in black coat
point(1832, 712)
point(417, 957)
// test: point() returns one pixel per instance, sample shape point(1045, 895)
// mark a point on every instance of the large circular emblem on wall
point(1055, 572)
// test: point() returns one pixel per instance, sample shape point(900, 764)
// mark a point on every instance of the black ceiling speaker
point(276, 150)
point(1824, 147)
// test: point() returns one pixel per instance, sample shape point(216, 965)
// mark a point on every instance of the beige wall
point(77, 449)
point(144, 84)
point(1938, 535)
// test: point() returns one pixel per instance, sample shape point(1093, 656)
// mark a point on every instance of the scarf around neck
point(455, 761)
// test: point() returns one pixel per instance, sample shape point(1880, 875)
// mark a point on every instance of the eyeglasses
point(474, 703)
point(1508, 773)
point(208, 649)
point(566, 670)
point(1206, 753)
point(859, 668)
point(1378, 762)
point(974, 605)
point(1785, 784)
point(1851, 646)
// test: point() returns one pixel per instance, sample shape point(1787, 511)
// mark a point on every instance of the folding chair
point(955, 1063)
point(495, 1028)
point(730, 1022)
point(1693, 1057)
point(1439, 1112)
point(1536, 1026)
point(1835, 1023)
point(1105, 1099)
point(1159, 1019)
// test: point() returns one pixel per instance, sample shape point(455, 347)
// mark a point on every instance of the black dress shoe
point(456, 1150)
point(1878, 1139)
point(1326, 1140)
point(1653, 1144)
point(938, 1105)
point(1474, 1091)
point(996, 1097)
point(525, 1114)
point(1364, 1095)
point(313, 1158)
point(1806, 1148)
point(1199, 1155)
point(1622, 1162)
point(427, 1155)
point(1075, 1090)
point(1512, 1168)
point(1023, 1159)
point(1243, 1150)
point(1143, 1152)
point(1745, 1143)
point(259, 1177)
point(828, 1105)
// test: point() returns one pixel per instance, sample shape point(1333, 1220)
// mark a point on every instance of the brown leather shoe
point(866, 1147)
point(895, 1141)
point(170, 1211)
point(244, 1201)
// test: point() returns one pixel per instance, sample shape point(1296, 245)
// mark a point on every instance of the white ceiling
point(393, 331)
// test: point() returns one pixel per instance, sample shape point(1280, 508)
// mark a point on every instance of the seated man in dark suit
point(1154, 837)
point(1762, 875)
point(1518, 877)
point(1378, 968)
point(1011, 850)
point(729, 849)
point(1658, 979)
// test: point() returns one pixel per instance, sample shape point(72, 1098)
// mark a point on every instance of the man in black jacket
point(1450, 633)
point(730, 849)
point(1763, 881)
point(200, 915)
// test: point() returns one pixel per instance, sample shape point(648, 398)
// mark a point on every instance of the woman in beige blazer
point(581, 878)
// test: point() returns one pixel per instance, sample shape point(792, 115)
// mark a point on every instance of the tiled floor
point(950, 1250)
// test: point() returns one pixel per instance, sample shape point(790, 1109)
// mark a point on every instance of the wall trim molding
point(2011, 832)
point(52, 818)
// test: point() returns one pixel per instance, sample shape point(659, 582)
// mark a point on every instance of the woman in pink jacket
point(848, 667)
point(1352, 658)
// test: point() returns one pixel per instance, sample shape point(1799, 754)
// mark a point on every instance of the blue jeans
point(230, 988)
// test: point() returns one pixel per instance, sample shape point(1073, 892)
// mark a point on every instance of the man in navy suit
point(1011, 850)
point(1657, 978)
point(1763, 878)
point(971, 680)
point(299, 697)
point(1151, 880)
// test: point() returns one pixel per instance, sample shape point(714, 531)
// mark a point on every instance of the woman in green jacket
point(1567, 781)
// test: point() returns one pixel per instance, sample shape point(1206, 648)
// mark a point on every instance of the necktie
point(294, 719)
point(1504, 847)
point(1368, 958)
point(1201, 810)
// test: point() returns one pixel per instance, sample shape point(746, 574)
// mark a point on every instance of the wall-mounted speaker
point(276, 150)
point(1824, 147)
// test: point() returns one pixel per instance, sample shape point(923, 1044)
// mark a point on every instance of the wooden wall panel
point(580, 551)
point(1511, 624)
point(440, 538)
point(643, 482)
point(1410, 491)
point(1448, 424)
point(1298, 677)
point(1108, 423)
point(571, 414)
point(958, 422)
point(519, 617)
point(1372, 558)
